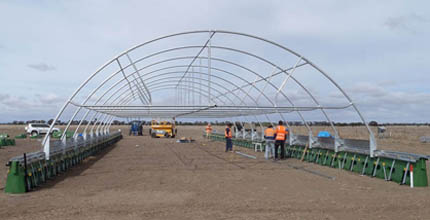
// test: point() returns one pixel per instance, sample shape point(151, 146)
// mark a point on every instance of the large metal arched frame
point(221, 60)
point(143, 87)
point(157, 82)
point(169, 50)
point(189, 77)
point(131, 95)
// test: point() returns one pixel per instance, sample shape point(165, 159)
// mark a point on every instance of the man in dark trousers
point(281, 136)
point(228, 135)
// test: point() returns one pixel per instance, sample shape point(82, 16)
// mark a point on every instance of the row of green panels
point(69, 134)
point(236, 141)
point(38, 172)
point(58, 134)
point(388, 169)
point(385, 168)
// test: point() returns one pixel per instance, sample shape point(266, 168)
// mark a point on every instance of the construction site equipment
point(136, 128)
point(163, 129)
point(36, 137)
point(33, 169)
point(324, 134)
point(246, 155)
point(21, 136)
point(58, 134)
point(355, 157)
point(381, 131)
point(6, 141)
point(425, 139)
point(185, 140)
point(258, 146)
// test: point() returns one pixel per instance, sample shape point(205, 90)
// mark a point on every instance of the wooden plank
point(304, 152)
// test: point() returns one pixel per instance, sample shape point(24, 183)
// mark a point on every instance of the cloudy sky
point(376, 50)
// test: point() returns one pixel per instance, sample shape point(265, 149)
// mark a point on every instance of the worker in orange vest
point(208, 130)
point(269, 137)
point(281, 135)
point(228, 135)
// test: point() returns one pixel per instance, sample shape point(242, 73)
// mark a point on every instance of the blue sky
point(376, 50)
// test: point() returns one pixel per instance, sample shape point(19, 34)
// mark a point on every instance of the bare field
point(145, 178)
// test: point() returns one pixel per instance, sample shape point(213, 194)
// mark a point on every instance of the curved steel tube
point(288, 75)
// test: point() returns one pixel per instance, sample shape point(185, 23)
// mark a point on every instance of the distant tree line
point(222, 123)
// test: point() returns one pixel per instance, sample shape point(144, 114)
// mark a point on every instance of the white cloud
point(3, 97)
point(28, 107)
point(50, 99)
point(43, 67)
point(381, 104)
point(409, 23)
point(368, 89)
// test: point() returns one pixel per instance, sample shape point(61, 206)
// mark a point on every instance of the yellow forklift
point(163, 129)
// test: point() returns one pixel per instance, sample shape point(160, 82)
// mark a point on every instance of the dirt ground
point(145, 178)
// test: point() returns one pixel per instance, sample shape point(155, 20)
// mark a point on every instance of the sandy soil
point(145, 178)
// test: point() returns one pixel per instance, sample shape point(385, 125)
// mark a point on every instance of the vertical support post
point(406, 173)
point(46, 146)
point(337, 143)
point(252, 133)
point(27, 188)
point(411, 176)
point(311, 139)
point(372, 145)
point(291, 138)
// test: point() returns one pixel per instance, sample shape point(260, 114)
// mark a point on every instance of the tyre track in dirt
point(220, 158)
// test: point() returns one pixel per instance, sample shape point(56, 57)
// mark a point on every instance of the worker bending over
point(281, 135)
point(228, 136)
point(269, 136)
point(208, 130)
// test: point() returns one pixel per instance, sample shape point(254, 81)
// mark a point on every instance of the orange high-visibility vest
point(269, 132)
point(228, 134)
point(208, 129)
point(281, 133)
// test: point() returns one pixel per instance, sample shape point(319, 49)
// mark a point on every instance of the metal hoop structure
point(210, 74)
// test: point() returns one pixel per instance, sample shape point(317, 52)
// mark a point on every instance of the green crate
point(300, 150)
point(382, 166)
point(420, 173)
point(328, 158)
point(292, 151)
point(337, 158)
point(320, 156)
point(312, 155)
point(399, 171)
point(371, 163)
point(10, 142)
point(359, 163)
point(350, 159)
point(21, 136)
point(35, 136)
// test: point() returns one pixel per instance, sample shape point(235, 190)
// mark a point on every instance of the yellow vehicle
point(163, 129)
